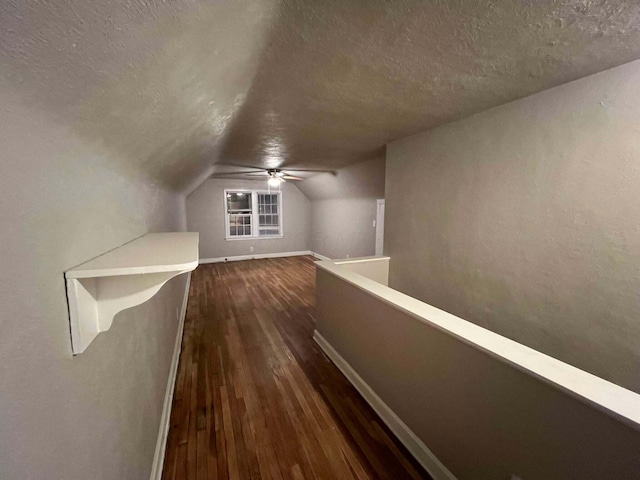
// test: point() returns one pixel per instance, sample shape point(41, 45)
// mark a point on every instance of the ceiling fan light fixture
point(274, 181)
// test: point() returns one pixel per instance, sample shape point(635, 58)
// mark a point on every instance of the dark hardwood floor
point(256, 398)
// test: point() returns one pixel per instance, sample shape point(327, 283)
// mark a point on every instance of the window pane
point(268, 218)
point(239, 225)
point(238, 201)
point(239, 210)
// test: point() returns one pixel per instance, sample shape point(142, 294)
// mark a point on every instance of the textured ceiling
point(154, 83)
point(171, 88)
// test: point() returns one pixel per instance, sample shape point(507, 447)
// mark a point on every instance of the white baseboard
point(416, 447)
point(257, 256)
point(320, 257)
point(163, 432)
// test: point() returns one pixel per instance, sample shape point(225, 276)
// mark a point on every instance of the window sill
point(269, 237)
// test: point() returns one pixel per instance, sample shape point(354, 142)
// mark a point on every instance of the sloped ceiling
point(171, 88)
point(358, 180)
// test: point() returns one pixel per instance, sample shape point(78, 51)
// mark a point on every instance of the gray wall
point(63, 202)
point(343, 208)
point(205, 214)
point(525, 219)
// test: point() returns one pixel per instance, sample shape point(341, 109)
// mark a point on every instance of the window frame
point(255, 215)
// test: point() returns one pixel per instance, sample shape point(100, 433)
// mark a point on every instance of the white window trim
point(254, 214)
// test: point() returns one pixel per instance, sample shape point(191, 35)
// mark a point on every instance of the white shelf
point(123, 278)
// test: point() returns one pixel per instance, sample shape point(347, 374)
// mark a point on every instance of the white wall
point(205, 214)
point(343, 208)
point(525, 219)
point(95, 415)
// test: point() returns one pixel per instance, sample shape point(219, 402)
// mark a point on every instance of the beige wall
point(525, 219)
point(205, 214)
point(482, 418)
point(343, 208)
point(95, 415)
point(342, 227)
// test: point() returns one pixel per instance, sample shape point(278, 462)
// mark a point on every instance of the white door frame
point(379, 226)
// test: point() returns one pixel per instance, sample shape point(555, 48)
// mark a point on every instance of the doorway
point(380, 226)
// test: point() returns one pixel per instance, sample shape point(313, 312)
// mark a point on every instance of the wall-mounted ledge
point(123, 278)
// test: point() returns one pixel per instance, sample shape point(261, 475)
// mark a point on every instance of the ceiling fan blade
point(241, 166)
point(310, 170)
point(226, 174)
point(292, 177)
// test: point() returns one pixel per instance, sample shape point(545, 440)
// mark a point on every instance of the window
point(253, 214)
point(239, 213)
point(268, 215)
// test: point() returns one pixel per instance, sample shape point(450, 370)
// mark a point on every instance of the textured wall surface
point(343, 208)
point(343, 227)
point(525, 220)
point(205, 214)
point(95, 415)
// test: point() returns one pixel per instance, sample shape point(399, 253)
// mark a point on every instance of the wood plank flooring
point(256, 398)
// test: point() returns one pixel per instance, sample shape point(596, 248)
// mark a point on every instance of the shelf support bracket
point(94, 302)
point(122, 278)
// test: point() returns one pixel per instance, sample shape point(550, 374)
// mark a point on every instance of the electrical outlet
point(251, 249)
point(374, 224)
point(347, 255)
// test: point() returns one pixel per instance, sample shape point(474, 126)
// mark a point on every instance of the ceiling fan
point(274, 176)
